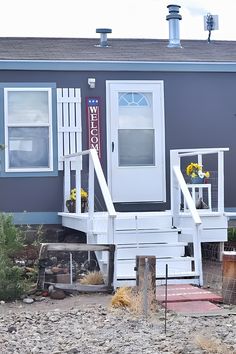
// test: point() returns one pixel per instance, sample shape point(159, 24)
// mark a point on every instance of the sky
point(126, 18)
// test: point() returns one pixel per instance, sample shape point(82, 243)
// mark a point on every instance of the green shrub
point(232, 234)
point(10, 236)
point(12, 283)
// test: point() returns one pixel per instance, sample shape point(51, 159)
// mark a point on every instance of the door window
point(135, 129)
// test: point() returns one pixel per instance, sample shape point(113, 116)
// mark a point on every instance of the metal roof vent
point(174, 17)
point(103, 36)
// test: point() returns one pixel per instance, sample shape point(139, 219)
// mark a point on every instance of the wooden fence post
point(140, 267)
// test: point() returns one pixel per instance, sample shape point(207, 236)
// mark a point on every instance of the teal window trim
point(36, 218)
point(47, 85)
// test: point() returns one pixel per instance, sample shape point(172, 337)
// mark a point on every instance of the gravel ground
point(88, 325)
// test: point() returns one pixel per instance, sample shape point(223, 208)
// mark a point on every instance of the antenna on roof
point(211, 23)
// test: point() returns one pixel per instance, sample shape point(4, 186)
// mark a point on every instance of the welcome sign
point(93, 121)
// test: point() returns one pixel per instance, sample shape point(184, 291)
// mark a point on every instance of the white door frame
point(108, 126)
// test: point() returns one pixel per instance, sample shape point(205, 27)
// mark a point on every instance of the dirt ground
point(212, 271)
point(48, 304)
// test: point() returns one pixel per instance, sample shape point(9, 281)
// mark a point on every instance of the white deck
point(163, 234)
point(124, 220)
point(214, 225)
point(149, 233)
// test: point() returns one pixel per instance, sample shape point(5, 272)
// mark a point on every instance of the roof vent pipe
point(174, 17)
point(103, 36)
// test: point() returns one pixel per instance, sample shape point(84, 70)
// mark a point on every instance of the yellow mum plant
point(71, 203)
point(194, 170)
point(83, 194)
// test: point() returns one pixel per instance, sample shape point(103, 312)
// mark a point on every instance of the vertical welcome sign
point(93, 121)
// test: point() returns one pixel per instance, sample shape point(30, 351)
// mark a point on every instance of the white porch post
point(175, 192)
point(66, 182)
point(197, 249)
point(221, 182)
point(90, 196)
point(78, 168)
point(199, 159)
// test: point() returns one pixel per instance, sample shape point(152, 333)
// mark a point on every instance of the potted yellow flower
point(196, 173)
point(71, 203)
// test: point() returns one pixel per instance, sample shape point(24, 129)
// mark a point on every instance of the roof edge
point(78, 65)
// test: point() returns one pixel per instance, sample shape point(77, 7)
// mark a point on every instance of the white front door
point(135, 139)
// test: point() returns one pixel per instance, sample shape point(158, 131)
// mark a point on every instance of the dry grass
point(122, 297)
point(93, 278)
point(211, 345)
point(127, 298)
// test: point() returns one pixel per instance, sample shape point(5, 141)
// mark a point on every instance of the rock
point(12, 329)
point(51, 288)
point(40, 298)
point(57, 294)
point(28, 300)
point(45, 293)
point(2, 302)
point(56, 270)
point(54, 318)
point(48, 271)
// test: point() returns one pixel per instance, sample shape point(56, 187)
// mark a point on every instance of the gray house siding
point(200, 111)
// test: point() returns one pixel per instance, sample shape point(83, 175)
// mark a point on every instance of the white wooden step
point(157, 249)
point(206, 235)
point(177, 266)
point(212, 220)
point(143, 220)
point(134, 220)
point(188, 280)
point(140, 236)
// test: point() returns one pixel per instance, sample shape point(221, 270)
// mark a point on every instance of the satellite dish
point(211, 23)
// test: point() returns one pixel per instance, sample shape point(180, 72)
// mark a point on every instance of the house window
point(28, 129)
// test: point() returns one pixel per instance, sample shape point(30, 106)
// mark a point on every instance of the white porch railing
point(94, 166)
point(179, 185)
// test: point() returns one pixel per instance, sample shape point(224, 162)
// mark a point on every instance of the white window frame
point(30, 125)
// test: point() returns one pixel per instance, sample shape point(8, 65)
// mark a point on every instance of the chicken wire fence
point(219, 272)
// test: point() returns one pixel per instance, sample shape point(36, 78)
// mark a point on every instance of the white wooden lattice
point(69, 122)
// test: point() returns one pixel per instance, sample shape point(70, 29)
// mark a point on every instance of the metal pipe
point(174, 17)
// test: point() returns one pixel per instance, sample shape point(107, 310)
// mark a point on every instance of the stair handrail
point(94, 164)
point(202, 151)
point(188, 198)
point(196, 220)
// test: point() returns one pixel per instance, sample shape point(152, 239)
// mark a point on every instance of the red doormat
point(193, 307)
point(184, 293)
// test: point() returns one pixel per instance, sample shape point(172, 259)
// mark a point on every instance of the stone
point(57, 294)
point(28, 300)
point(54, 318)
point(40, 298)
point(12, 329)
point(56, 270)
